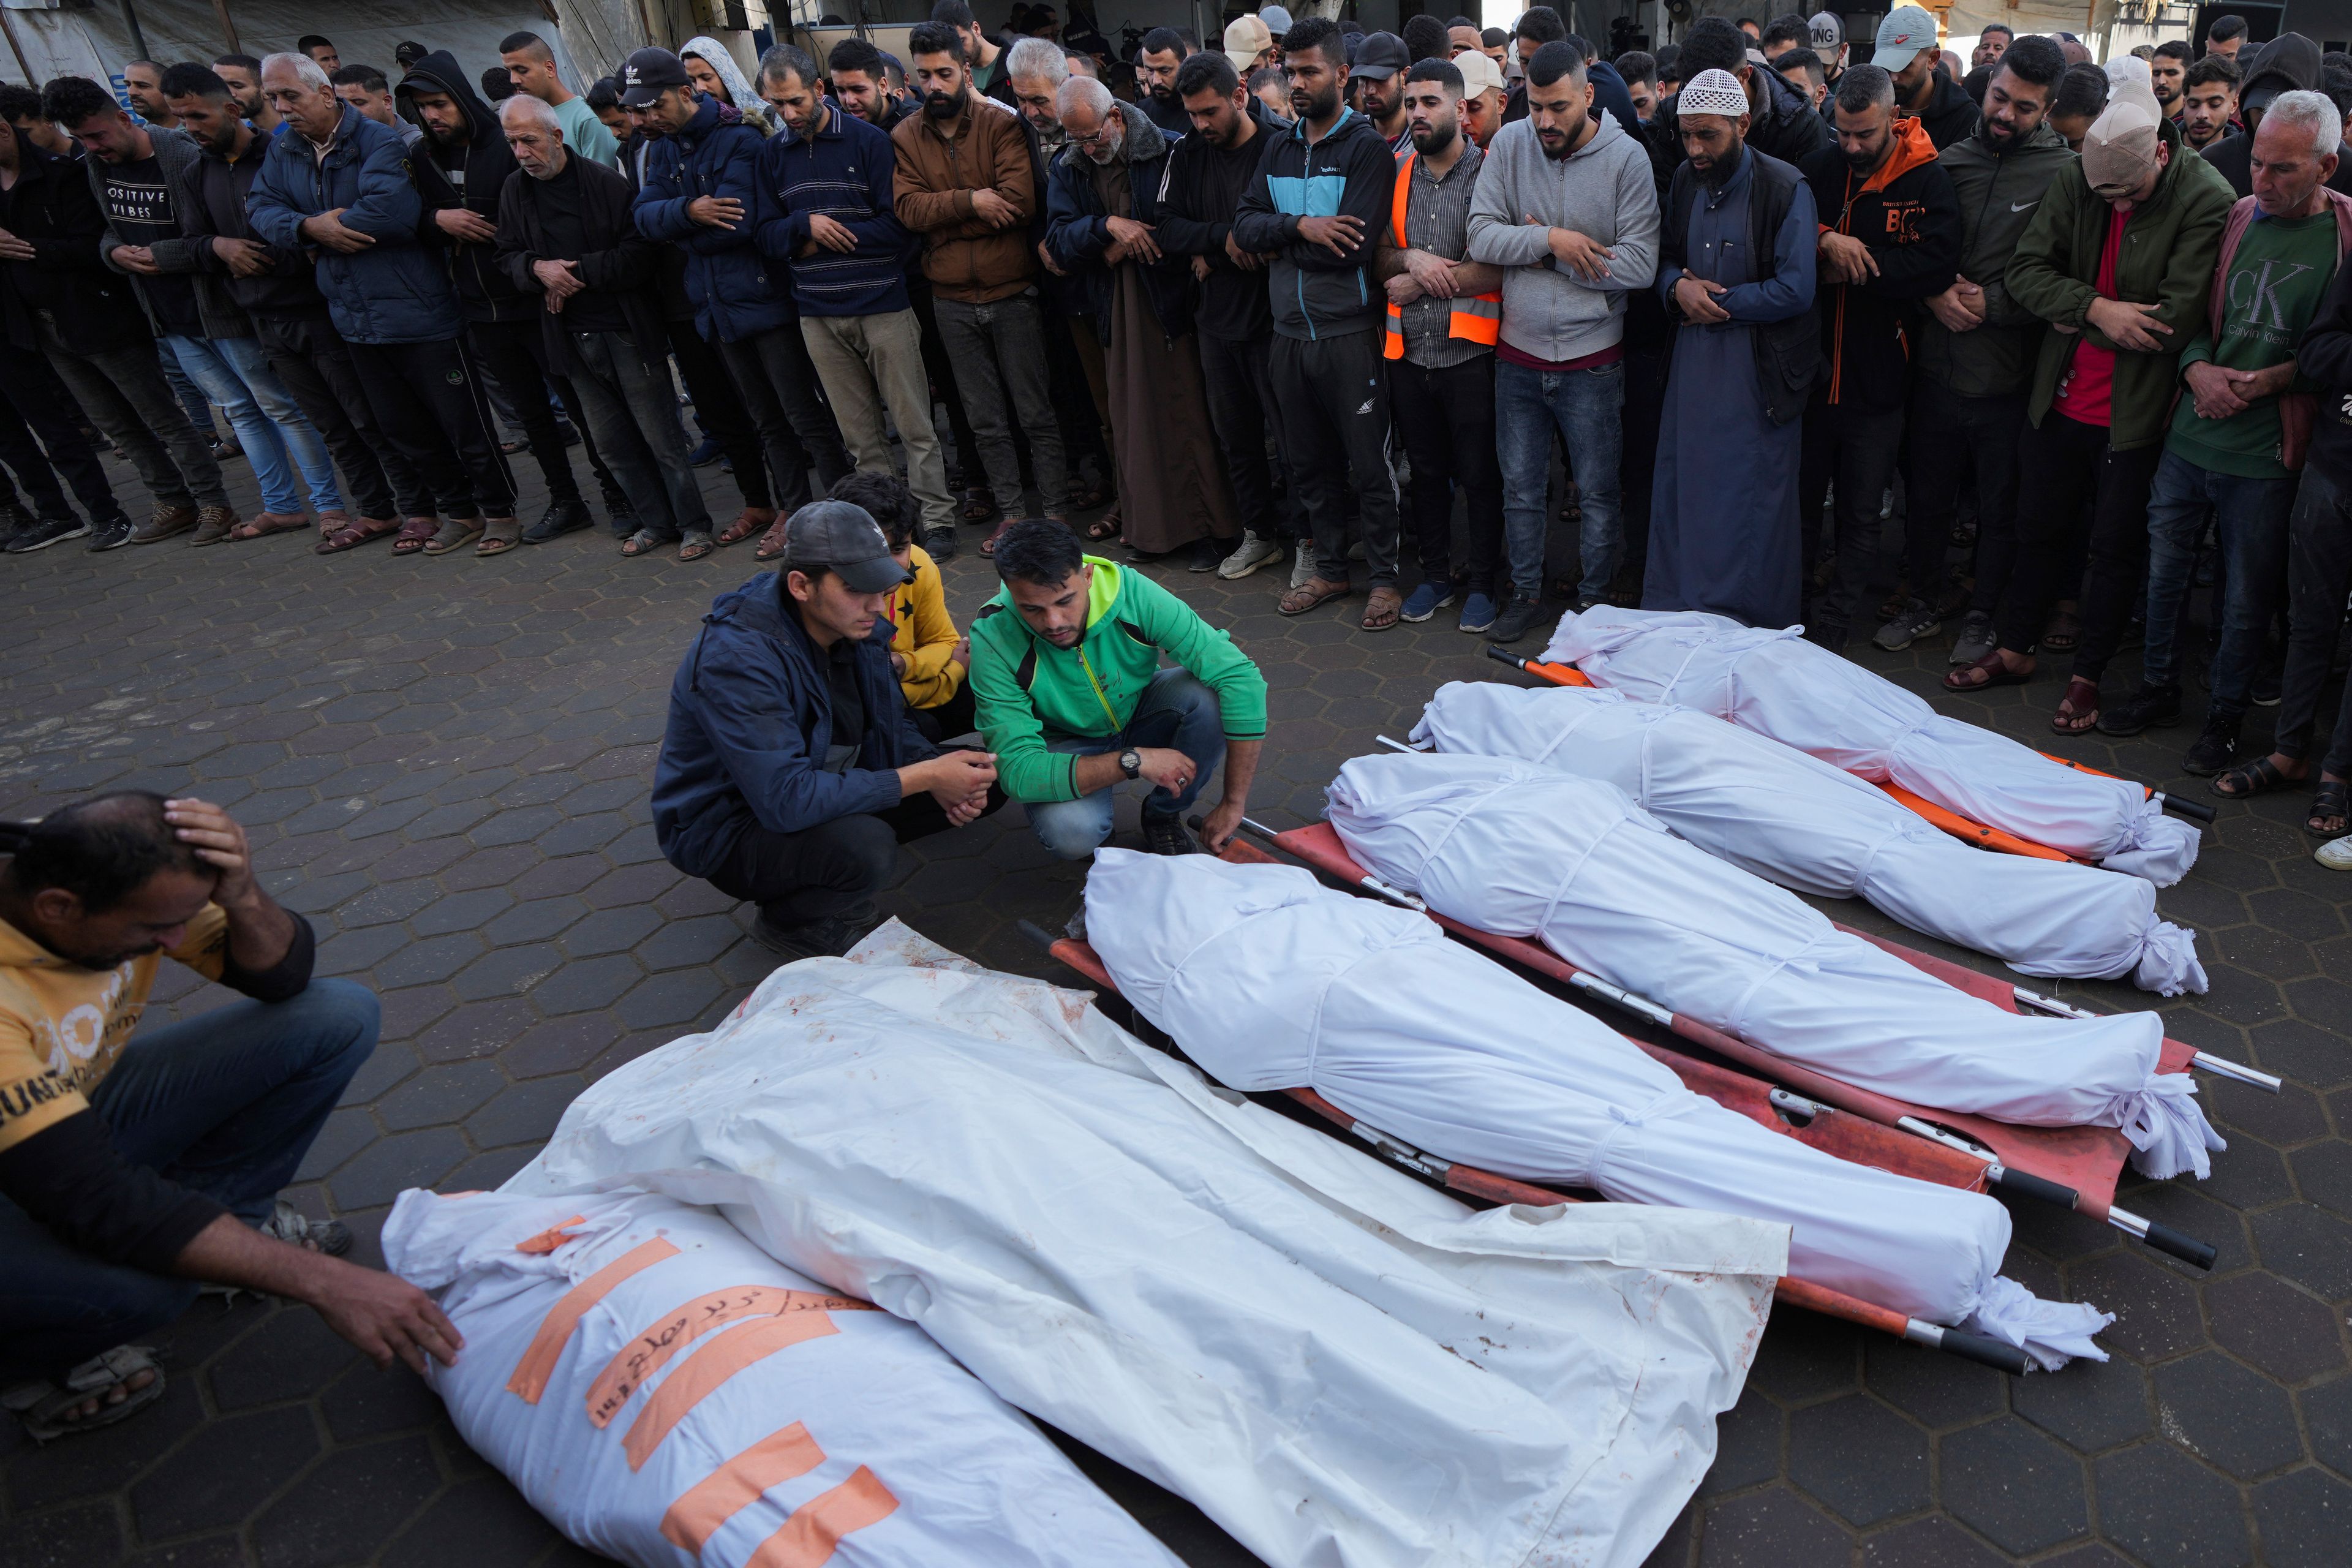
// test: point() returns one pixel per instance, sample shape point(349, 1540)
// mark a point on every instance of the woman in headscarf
point(713, 70)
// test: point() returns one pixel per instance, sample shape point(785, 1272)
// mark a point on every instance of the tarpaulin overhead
point(1525, 851)
point(1339, 1366)
point(1272, 980)
point(654, 1382)
point(1966, 22)
point(1795, 820)
point(1801, 695)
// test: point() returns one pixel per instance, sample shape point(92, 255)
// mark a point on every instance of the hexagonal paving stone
point(1864, 1460)
point(2169, 1511)
point(2227, 1415)
point(2094, 1406)
point(354, 1494)
point(214, 1483)
point(2275, 1326)
point(1747, 1447)
point(1773, 1526)
point(1931, 1387)
point(2013, 1486)
point(1928, 1543)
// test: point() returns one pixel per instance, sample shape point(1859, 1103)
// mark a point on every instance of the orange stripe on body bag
point(651, 1350)
point(554, 1237)
point(738, 1483)
point(818, 1526)
point(702, 1375)
point(538, 1363)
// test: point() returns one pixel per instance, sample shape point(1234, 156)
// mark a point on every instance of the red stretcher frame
point(2075, 1167)
point(1486, 1186)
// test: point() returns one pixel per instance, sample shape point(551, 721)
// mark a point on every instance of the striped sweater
point(846, 171)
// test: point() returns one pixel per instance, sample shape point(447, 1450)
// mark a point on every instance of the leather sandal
point(261, 525)
point(415, 533)
point(350, 535)
point(1989, 671)
point(2078, 710)
point(1309, 595)
point(499, 535)
point(455, 534)
point(751, 522)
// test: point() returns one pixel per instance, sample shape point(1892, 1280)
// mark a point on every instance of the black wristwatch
point(1130, 762)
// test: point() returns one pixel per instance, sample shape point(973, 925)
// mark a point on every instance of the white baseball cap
point(1906, 30)
point(1480, 72)
point(1246, 38)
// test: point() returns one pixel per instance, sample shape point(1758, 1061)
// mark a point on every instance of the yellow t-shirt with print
point(63, 1028)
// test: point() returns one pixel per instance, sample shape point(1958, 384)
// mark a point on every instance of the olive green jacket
point(2169, 249)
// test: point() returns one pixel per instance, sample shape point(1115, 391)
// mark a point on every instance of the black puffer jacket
point(485, 293)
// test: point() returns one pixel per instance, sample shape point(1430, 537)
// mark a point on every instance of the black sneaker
point(1516, 617)
point(2151, 707)
point(14, 520)
point(565, 516)
point(1827, 634)
point(828, 938)
point(1207, 556)
point(1917, 619)
point(112, 534)
point(939, 543)
point(1166, 835)
point(2216, 749)
point(47, 531)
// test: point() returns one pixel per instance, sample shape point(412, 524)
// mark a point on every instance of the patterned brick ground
point(445, 765)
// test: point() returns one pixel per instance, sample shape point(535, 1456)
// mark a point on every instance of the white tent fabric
point(1795, 820)
point(1272, 981)
point(1341, 1367)
point(1522, 850)
point(838, 1422)
point(1777, 684)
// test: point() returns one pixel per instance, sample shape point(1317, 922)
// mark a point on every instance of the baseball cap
point(647, 73)
point(2119, 150)
point(1379, 57)
point(1276, 19)
point(845, 537)
point(1826, 30)
point(1246, 38)
point(1906, 30)
point(1480, 72)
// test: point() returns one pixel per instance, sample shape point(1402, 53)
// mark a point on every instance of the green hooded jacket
point(2169, 248)
point(1028, 692)
point(1999, 194)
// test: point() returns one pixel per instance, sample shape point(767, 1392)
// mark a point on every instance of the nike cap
point(1906, 30)
point(845, 537)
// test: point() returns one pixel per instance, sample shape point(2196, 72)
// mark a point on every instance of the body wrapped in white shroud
point(1777, 684)
point(1521, 850)
point(1272, 981)
point(1795, 820)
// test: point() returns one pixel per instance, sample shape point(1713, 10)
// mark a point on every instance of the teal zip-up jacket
point(1316, 294)
point(1028, 692)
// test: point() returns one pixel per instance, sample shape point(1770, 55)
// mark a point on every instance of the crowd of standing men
point(1310, 289)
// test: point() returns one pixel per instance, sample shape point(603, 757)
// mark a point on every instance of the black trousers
point(312, 358)
point(1333, 401)
point(424, 401)
point(41, 439)
point(831, 869)
point(1854, 445)
point(1639, 423)
point(515, 352)
point(1447, 419)
point(778, 384)
point(1240, 387)
point(2318, 577)
point(2060, 465)
point(1980, 432)
point(957, 716)
point(718, 404)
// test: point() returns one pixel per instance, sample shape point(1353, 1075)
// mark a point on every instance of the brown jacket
point(964, 257)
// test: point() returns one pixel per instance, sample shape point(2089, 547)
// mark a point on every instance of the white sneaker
point(1253, 553)
point(2336, 855)
point(1305, 571)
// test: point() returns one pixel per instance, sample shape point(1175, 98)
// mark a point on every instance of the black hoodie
point(1197, 208)
point(2289, 63)
point(470, 175)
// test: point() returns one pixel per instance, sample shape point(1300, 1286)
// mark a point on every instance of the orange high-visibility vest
point(1478, 318)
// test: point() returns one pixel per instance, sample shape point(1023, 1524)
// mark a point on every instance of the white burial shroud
point(711, 1401)
point(1795, 820)
point(1777, 684)
point(1272, 981)
point(1339, 1366)
point(1521, 850)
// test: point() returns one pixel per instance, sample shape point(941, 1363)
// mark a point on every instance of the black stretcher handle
point(2025, 1185)
point(1984, 1349)
point(2187, 1249)
point(1038, 934)
point(2194, 810)
point(1495, 651)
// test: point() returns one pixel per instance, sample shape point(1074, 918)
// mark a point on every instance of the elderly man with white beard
point(1101, 202)
point(566, 233)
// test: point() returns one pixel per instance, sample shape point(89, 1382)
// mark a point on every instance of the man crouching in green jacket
point(1066, 673)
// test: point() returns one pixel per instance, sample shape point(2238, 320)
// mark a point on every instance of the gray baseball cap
point(847, 538)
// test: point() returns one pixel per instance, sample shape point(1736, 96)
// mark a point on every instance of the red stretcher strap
point(738, 1483)
point(818, 1526)
point(538, 1364)
point(703, 1374)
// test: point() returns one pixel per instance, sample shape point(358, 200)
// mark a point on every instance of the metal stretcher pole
point(1471, 1182)
point(2220, 1066)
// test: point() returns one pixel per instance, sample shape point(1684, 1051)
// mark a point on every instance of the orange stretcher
point(1486, 1186)
point(1937, 816)
point(2074, 1167)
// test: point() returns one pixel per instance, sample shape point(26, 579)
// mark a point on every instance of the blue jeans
point(1586, 407)
point(226, 1103)
point(2251, 516)
point(269, 425)
point(1176, 709)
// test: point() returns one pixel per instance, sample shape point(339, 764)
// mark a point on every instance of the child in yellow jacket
point(931, 656)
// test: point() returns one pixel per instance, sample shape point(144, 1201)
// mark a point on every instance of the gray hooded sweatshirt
point(1602, 190)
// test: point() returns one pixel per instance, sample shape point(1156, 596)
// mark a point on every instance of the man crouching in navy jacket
point(790, 773)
